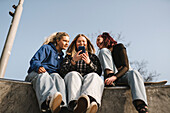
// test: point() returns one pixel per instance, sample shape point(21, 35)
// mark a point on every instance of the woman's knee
point(34, 75)
point(133, 74)
point(95, 76)
point(44, 76)
point(41, 78)
point(72, 74)
point(55, 76)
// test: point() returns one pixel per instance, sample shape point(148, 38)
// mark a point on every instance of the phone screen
point(81, 48)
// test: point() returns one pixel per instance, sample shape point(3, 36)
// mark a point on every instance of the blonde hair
point(54, 37)
point(72, 48)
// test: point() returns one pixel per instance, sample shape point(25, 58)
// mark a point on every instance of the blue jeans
point(134, 79)
point(46, 85)
point(91, 85)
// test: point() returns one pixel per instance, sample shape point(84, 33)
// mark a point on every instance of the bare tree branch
point(141, 68)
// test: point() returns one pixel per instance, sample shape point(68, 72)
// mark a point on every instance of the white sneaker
point(82, 104)
point(55, 102)
point(93, 108)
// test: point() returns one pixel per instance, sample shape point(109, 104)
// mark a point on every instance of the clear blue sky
point(144, 23)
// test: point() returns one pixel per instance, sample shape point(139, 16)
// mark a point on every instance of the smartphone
point(81, 48)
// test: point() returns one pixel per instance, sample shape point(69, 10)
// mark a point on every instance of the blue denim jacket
point(48, 57)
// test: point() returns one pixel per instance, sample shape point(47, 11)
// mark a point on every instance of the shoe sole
point(82, 105)
point(55, 107)
point(92, 109)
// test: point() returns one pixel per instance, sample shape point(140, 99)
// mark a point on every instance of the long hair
point(54, 37)
point(108, 41)
point(72, 48)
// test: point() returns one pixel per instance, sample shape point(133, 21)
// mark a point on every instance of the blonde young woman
point(44, 74)
point(81, 73)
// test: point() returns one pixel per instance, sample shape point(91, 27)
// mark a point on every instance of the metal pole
point(10, 38)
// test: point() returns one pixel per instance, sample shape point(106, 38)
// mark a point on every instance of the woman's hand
point(85, 57)
point(110, 80)
point(41, 70)
point(77, 57)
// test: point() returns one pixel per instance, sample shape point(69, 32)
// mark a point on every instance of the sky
point(143, 23)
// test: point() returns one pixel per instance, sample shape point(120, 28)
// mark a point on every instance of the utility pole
point(10, 37)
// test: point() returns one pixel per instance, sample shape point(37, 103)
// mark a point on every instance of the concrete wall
point(120, 101)
point(19, 97)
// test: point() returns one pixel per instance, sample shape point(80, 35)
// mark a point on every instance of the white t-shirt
point(106, 60)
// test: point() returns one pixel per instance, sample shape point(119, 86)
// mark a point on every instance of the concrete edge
point(115, 87)
point(14, 81)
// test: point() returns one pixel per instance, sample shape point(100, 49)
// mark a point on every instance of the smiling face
point(63, 43)
point(99, 42)
point(81, 41)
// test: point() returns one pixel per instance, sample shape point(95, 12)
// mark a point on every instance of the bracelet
point(111, 74)
point(73, 61)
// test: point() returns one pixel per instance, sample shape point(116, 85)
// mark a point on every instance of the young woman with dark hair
point(116, 68)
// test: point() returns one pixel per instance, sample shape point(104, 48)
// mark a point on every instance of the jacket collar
point(52, 45)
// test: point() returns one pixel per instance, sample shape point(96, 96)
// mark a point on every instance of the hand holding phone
point(82, 48)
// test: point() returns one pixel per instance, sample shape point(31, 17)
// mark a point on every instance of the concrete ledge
point(19, 97)
point(118, 100)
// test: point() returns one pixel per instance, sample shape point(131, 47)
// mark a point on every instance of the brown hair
point(72, 48)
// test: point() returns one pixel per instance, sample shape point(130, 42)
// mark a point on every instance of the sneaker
point(72, 104)
point(82, 104)
point(55, 103)
point(93, 108)
point(64, 110)
point(45, 107)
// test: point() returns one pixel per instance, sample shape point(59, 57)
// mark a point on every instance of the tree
point(140, 66)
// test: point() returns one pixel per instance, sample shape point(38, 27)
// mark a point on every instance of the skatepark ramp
point(19, 97)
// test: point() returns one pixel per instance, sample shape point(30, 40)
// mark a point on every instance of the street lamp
point(10, 37)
